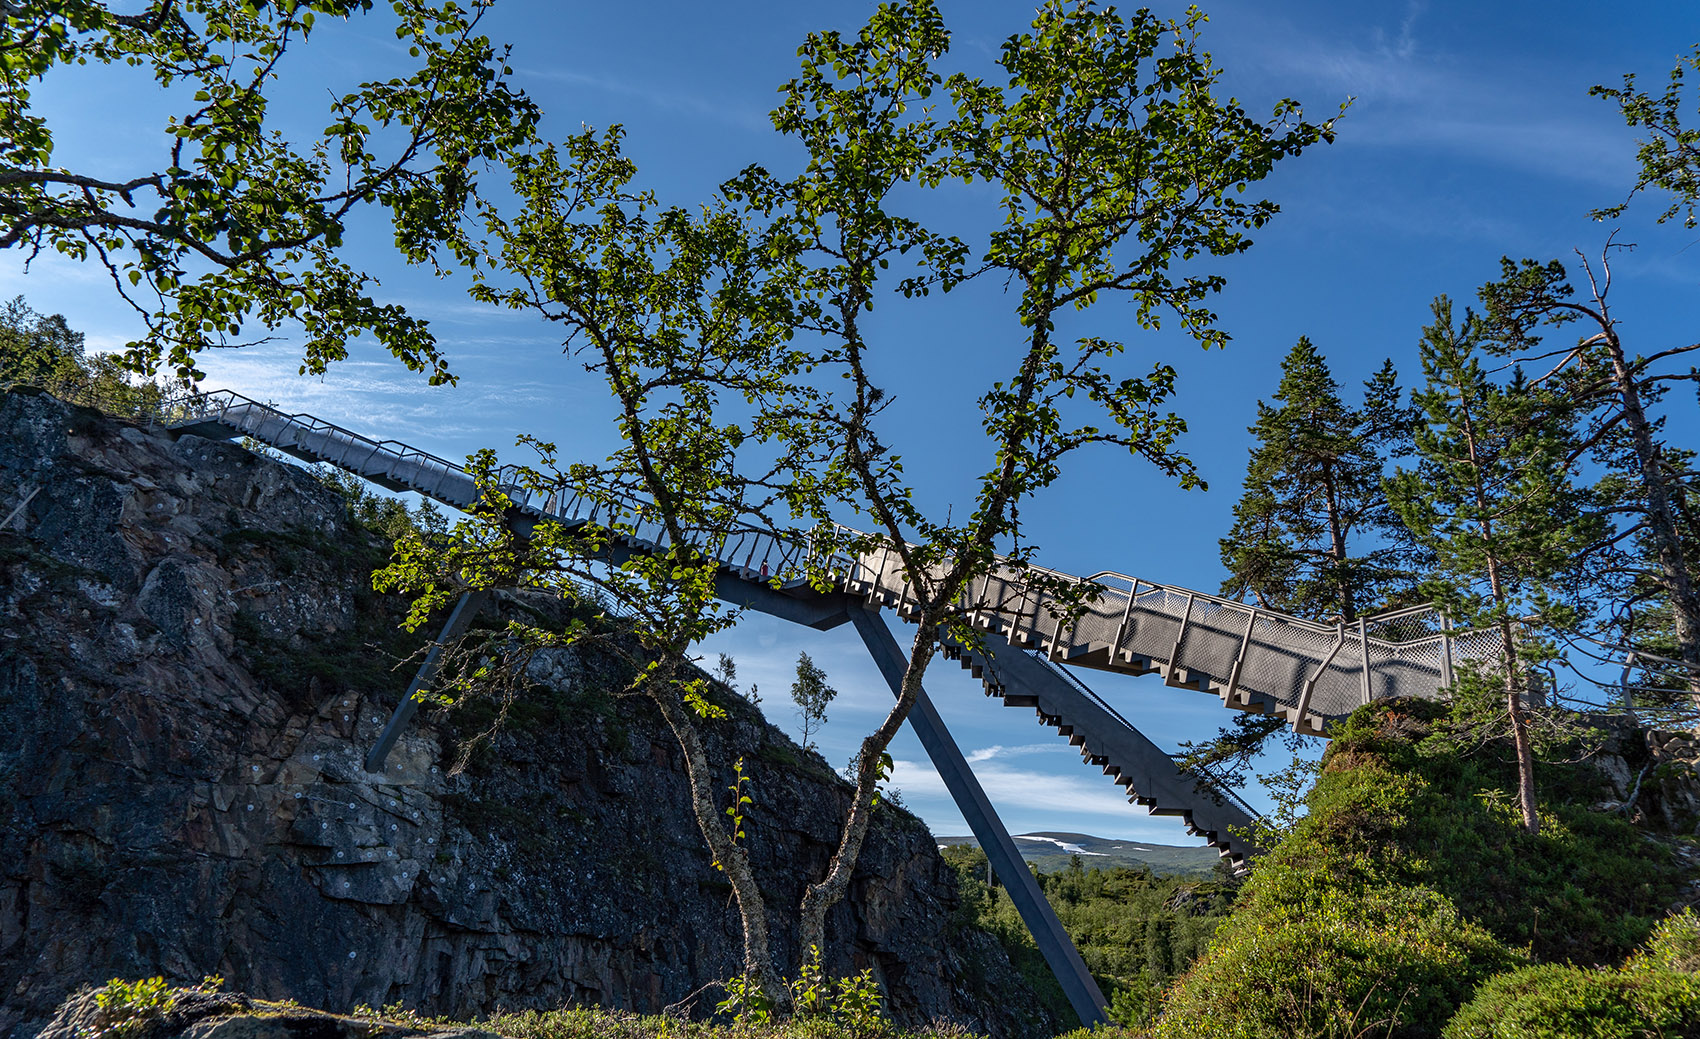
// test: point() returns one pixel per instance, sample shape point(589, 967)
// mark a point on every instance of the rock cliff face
point(1654, 775)
point(191, 667)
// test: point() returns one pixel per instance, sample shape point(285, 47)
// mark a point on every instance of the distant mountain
point(1050, 852)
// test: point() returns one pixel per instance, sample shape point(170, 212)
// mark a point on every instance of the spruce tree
point(1492, 497)
point(1313, 533)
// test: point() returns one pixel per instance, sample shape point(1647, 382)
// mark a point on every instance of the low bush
point(1383, 961)
point(1559, 1002)
point(1410, 883)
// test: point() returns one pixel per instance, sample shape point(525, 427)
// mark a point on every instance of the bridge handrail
point(788, 558)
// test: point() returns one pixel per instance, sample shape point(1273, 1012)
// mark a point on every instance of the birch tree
point(1669, 155)
point(734, 343)
point(232, 230)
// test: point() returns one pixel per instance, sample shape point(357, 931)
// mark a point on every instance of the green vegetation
point(236, 225)
point(43, 351)
point(1411, 882)
point(1313, 532)
point(129, 1009)
point(1136, 930)
point(597, 1023)
point(131, 1004)
point(1655, 993)
point(812, 696)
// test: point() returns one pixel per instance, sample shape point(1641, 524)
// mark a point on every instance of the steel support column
point(1054, 943)
point(467, 608)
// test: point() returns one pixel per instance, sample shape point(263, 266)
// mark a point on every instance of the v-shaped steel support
point(467, 608)
point(1054, 942)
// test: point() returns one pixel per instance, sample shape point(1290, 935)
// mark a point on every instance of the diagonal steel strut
point(1054, 942)
point(466, 609)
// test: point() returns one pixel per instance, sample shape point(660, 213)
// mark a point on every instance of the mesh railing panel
point(1214, 635)
point(1339, 688)
point(1408, 653)
point(1155, 623)
point(1281, 657)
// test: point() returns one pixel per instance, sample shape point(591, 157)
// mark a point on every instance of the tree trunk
point(1661, 519)
point(1508, 646)
point(1337, 547)
point(728, 854)
point(1519, 734)
point(829, 891)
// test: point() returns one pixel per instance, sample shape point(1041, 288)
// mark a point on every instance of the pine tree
point(1491, 496)
point(1617, 393)
point(1313, 533)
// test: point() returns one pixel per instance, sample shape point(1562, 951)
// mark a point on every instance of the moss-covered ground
point(1410, 902)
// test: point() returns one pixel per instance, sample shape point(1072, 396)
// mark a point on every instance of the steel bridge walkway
point(1253, 660)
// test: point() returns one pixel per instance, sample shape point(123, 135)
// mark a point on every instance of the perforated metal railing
point(1253, 659)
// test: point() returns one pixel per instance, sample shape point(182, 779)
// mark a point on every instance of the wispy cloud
point(1001, 751)
point(1404, 42)
point(1025, 798)
point(696, 104)
point(1412, 96)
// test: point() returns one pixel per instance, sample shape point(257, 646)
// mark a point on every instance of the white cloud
point(667, 100)
point(1001, 751)
point(1412, 97)
point(1030, 800)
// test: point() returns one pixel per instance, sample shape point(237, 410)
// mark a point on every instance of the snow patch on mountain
point(1072, 849)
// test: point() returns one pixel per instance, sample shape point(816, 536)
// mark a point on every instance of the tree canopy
point(1313, 534)
point(236, 230)
point(720, 329)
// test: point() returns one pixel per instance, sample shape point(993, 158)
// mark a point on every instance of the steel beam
point(467, 608)
point(1054, 942)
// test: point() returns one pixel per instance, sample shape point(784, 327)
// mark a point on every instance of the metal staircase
point(1252, 659)
point(1109, 741)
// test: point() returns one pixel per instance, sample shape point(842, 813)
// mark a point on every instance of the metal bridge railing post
point(1445, 651)
point(1180, 637)
point(1239, 658)
point(1309, 687)
point(1121, 629)
point(1363, 643)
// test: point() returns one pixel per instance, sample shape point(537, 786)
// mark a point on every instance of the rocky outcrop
point(191, 666)
point(1654, 775)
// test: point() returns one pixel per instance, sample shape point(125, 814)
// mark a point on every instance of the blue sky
point(1471, 136)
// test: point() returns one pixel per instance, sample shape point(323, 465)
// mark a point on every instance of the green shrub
point(598, 1023)
point(1674, 945)
point(1410, 882)
point(1561, 1002)
point(128, 1005)
point(1384, 961)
